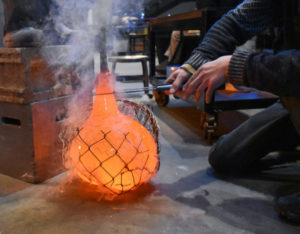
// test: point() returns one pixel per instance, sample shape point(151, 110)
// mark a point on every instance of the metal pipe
point(152, 88)
point(137, 90)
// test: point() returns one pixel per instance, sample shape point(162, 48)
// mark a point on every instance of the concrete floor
point(184, 197)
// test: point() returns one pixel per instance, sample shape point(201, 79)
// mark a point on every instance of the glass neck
point(104, 104)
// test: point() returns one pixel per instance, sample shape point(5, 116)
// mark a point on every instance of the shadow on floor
point(77, 189)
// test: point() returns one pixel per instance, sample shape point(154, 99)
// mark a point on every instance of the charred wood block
point(34, 74)
point(31, 148)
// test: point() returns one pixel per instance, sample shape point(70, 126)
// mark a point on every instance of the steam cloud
point(84, 20)
point(80, 22)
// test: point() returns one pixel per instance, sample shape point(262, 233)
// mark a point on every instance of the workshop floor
point(184, 197)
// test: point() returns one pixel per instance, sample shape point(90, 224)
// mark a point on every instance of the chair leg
point(145, 75)
point(114, 68)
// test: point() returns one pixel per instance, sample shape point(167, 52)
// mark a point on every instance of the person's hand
point(177, 77)
point(208, 77)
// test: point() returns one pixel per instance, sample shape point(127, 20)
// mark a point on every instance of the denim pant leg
point(267, 131)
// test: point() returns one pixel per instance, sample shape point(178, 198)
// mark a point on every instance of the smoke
point(75, 25)
point(80, 25)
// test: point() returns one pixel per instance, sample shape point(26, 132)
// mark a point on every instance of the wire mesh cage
point(143, 115)
point(115, 159)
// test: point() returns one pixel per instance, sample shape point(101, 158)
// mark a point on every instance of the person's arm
point(278, 74)
point(234, 29)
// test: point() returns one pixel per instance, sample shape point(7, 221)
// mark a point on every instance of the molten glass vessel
point(111, 149)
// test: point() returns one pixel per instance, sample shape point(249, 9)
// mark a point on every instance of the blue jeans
point(240, 150)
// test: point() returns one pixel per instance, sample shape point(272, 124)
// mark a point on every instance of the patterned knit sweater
point(279, 73)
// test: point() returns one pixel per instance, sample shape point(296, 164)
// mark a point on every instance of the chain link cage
point(142, 114)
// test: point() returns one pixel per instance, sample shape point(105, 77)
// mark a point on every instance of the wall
point(1, 24)
point(180, 8)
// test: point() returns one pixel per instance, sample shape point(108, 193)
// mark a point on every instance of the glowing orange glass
point(111, 149)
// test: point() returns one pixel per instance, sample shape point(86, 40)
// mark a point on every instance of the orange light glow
point(111, 149)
